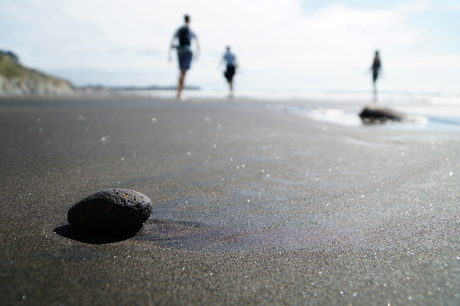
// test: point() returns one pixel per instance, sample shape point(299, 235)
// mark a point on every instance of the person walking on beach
point(375, 68)
point(231, 68)
point(184, 37)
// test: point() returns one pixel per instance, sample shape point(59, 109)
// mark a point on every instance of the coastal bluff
point(17, 80)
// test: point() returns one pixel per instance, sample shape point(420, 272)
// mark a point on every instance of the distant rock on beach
point(16, 80)
point(110, 210)
point(379, 114)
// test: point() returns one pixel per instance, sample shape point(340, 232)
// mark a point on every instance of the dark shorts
point(185, 58)
point(229, 73)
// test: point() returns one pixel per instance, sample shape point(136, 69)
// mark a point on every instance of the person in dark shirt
point(375, 68)
point(184, 38)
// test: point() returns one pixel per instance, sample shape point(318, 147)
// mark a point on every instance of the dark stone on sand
point(110, 210)
point(379, 114)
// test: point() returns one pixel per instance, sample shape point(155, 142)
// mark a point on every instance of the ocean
point(427, 111)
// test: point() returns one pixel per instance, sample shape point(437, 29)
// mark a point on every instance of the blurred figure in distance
point(184, 37)
point(231, 68)
point(375, 68)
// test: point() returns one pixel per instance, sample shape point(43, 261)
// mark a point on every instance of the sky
point(280, 45)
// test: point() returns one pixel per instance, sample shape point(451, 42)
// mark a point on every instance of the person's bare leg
point(181, 83)
point(231, 88)
point(375, 93)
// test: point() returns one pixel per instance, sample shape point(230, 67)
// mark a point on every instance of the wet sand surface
point(253, 205)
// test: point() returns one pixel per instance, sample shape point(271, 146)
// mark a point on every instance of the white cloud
point(278, 44)
point(413, 7)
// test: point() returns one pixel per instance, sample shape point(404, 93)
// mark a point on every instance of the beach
point(255, 203)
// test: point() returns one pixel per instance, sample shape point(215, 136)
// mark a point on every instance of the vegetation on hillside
point(16, 79)
point(10, 68)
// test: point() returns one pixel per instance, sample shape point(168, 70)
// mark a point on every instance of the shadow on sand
point(176, 234)
point(94, 237)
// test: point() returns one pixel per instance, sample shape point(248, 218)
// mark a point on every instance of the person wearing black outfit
point(375, 68)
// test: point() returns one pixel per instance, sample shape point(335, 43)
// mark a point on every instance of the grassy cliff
point(16, 79)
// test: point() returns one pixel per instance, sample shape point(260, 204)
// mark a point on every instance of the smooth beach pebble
point(110, 210)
